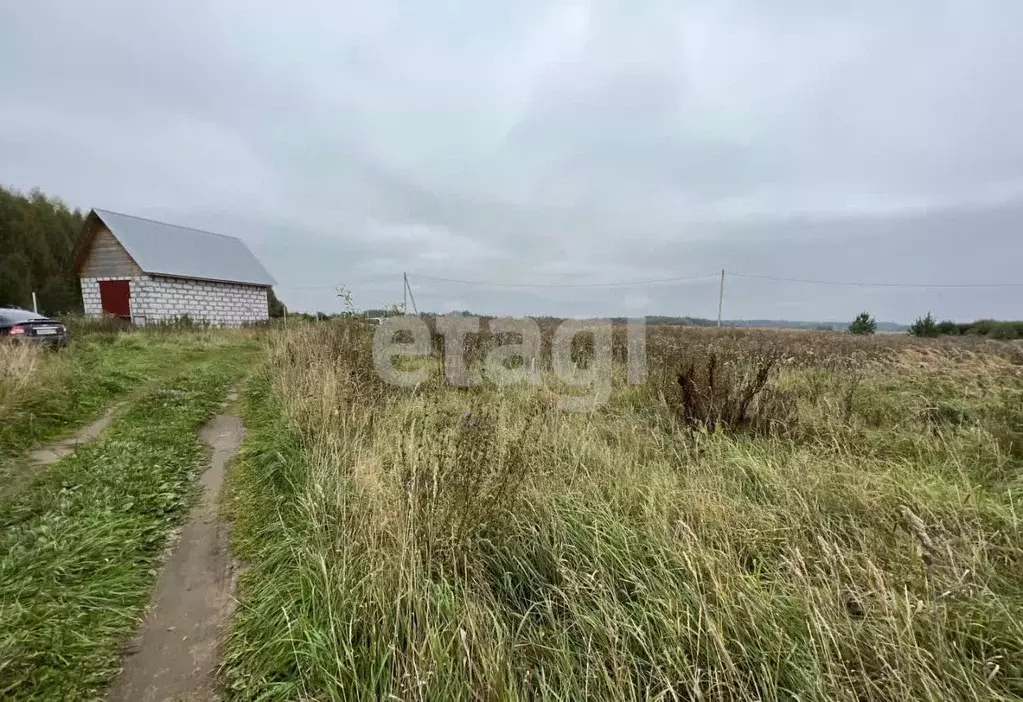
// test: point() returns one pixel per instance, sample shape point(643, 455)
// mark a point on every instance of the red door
point(114, 296)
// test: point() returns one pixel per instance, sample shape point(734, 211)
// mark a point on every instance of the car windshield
point(9, 316)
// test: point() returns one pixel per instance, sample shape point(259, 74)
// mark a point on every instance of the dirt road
point(49, 454)
point(174, 655)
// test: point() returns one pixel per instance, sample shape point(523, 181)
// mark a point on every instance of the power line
point(633, 283)
point(877, 285)
point(306, 287)
point(335, 286)
point(660, 281)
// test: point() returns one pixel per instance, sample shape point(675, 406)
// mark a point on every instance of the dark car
point(22, 325)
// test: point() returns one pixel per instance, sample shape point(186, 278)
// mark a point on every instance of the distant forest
point(37, 235)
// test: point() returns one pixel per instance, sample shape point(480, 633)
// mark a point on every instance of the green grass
point(80, 545)
point(399, 550)
point(45, 394)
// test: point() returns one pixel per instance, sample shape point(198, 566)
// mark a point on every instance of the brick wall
point(159, 299)
point(91, 302)
point(90, 297)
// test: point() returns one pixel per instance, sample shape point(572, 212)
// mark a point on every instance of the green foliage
point(990, 328)
point(924, 326)
point(996, 329)
point(37, 236)
point(106, 328)
point(863, 324)
point(276, 307)
point(1007, 330)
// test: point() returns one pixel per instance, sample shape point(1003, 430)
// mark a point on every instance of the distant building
point(148, 271)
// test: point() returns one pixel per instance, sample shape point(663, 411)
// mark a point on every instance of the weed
point(458, 475)
point(735, 396)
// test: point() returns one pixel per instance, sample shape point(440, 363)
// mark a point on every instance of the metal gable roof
point(181, 252)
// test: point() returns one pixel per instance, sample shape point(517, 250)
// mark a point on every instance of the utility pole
point(404, 293)
point(408, 295)
point(415, 310)
point(721, 295)
point(35, 304)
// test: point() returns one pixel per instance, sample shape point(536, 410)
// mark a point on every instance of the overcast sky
point(555, 143)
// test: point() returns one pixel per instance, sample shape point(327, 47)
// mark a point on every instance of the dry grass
point(18, 365)
point(445, 543)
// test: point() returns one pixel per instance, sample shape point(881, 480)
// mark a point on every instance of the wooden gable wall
point(106, 258)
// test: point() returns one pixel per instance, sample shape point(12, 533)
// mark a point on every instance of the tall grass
point(444, 543)
point(18, 366)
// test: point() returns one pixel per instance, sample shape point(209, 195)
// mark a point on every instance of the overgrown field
point(849, 531)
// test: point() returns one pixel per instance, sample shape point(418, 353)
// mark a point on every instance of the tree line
point(37, 237)
point(928, 326)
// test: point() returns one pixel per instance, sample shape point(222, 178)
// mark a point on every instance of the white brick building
point(148, 271)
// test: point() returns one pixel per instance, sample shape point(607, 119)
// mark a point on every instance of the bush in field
point(990, 328)
point(730, 395)
point(924, 326)
point(863, 324)
point(1006, 330)
point(994, 329)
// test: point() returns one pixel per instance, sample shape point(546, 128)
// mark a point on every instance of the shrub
point(924, 326)
point(731, 395)
point(1004, 330)
point(863, 324)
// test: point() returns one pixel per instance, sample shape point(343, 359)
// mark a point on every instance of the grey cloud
point(547, 143)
